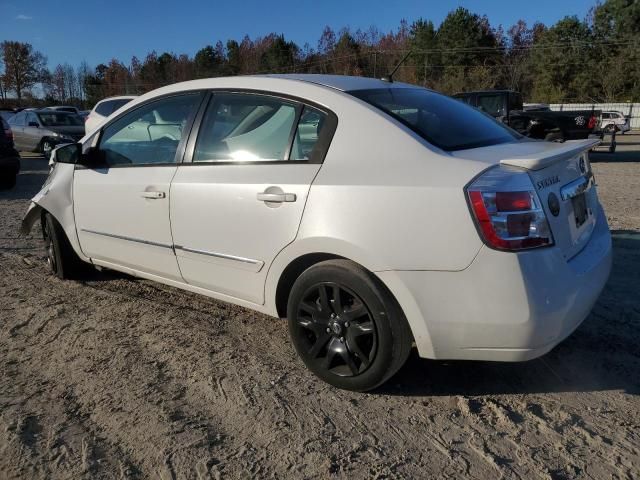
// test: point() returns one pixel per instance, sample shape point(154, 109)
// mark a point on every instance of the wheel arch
point(293, 260)
point(56, 198)
point(291, 272)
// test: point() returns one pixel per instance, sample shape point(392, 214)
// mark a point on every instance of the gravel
point(116, 377)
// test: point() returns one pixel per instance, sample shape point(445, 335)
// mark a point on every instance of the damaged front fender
point(34, 213)
point(56, 198)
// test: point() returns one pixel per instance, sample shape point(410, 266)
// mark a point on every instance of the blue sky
point(98, 30)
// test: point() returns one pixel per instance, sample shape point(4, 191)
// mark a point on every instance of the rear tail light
point(507, 210)
point(592, 122)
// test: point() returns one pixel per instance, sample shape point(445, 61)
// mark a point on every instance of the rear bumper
point(504, 306)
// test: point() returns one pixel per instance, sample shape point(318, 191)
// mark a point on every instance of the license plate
point(580, 211)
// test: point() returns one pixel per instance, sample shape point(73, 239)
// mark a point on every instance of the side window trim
point(320, 152)
point(180, 151)
point(294, 129)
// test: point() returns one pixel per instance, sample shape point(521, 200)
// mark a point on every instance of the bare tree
point(23, 65)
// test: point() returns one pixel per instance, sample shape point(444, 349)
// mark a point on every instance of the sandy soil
point(115, 377)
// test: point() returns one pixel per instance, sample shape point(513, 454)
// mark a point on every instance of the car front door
point(32, 132)
point(121, 205)
point(239, 199)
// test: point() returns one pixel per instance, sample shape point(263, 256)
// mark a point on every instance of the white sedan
point(373, 215)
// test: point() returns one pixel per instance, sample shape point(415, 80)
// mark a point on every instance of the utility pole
point(375, 63)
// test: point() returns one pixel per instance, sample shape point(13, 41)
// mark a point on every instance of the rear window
point(107, 107)
point(443, 121)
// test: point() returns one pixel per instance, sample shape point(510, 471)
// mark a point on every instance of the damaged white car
point(374, 215)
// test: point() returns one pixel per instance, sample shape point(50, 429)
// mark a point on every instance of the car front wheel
point(346, 326)
point(62, 260)
point(46, 148)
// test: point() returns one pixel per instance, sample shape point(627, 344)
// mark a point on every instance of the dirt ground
point(115, 377)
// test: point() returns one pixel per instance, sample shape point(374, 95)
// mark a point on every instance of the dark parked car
point(42, 130)
point(506, 106)
point(9, 158)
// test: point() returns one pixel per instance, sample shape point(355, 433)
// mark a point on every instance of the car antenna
point(389, 78)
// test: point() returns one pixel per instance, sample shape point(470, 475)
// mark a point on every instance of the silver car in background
point(41, 130)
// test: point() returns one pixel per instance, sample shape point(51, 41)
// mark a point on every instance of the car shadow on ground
point(618, 156)
point(603, 354)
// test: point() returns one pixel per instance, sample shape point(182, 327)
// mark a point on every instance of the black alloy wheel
point(346, 326)
point(337, 330)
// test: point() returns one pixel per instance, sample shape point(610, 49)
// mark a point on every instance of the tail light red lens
point(508, 219)
point(592, 122)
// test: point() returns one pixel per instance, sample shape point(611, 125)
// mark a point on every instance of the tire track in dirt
point(115, 377)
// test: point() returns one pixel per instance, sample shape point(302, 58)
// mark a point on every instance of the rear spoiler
point(565, 151)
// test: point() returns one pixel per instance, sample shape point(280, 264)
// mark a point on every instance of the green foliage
point(592, 59)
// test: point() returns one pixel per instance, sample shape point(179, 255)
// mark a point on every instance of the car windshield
point(60, 119)
point(444, 122)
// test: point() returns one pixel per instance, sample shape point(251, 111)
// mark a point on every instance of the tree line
point(594, 59)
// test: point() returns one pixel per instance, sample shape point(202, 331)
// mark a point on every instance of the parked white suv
point(614, 121)
point(348, 205)
point(103, 109)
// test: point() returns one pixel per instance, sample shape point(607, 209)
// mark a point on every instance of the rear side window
point(307, 134)
point(443, 121)
point(246, 128)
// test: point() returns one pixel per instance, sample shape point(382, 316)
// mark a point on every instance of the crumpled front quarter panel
point(56, 197)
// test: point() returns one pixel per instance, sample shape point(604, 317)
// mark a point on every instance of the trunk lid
point(562, 178)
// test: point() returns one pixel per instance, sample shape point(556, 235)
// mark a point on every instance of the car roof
point(120, 97)
point(341, 82)
point(50, 111)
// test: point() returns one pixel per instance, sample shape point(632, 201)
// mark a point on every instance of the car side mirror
point(34, 124)
point(70, 153)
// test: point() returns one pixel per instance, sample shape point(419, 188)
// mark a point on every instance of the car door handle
point(276, 197)
point(153, 195)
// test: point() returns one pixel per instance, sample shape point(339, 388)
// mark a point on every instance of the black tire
point(356, 342)
point(554, 137)
point(8, 182)
point(62, 260)
point(610, 128)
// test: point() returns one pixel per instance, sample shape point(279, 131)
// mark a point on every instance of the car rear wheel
point(554, 137)
point(62, 260)
point(610, 128)
point(346, 326)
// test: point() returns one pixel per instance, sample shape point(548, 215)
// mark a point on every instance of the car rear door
point(17, 127)
point(239, 197)
point(121, 206)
